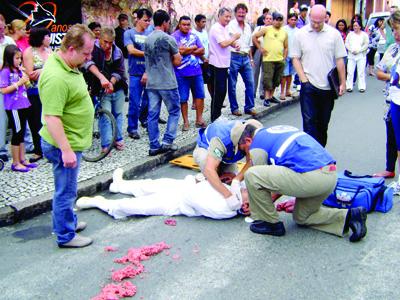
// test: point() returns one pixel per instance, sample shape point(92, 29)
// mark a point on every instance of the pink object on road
point(170, 222)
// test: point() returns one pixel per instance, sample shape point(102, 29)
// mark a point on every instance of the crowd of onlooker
point(129, 63)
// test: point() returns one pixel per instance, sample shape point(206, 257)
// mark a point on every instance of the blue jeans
point(171, 101)
point(114, 103)
point(138, 103)
point(241, 64)
point(316, 107)
point(66, 186)
point(3, 127)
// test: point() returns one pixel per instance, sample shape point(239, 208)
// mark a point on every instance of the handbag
point(333, 78)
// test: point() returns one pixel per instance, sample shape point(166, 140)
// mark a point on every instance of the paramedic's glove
point(233, 202)
point(235, 189)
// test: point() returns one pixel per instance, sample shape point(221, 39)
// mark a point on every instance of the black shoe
point(263, 227)
point(357, 219)
point(4, 157)
point(262, 97)
point(35, 159)
point(144, 124)
point(154, 152)
point(161, 121)
point(266, 103)
point(274, 100)
point(163, 149)
point(134, 135)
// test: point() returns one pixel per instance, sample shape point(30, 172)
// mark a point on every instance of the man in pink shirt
point(219, 60)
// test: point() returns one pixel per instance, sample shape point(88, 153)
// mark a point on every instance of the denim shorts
point(193, 83)
point(289, 68)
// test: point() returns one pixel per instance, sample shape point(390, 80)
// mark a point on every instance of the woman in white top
point(357, 46)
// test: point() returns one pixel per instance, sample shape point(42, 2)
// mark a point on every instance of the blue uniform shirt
point(222, 130)
point(289, 147)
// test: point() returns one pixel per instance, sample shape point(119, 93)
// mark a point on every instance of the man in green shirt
point(67, 117)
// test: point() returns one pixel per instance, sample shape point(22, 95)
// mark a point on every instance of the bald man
point(317, 48)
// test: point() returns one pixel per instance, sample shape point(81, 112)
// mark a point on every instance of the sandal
point(119, 145)
point(15, 169)
point(289, 94)
point(29, 165)
point(283, 98)
point(185, 127)
point(201, 125)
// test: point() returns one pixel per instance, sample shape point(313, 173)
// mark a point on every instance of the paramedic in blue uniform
point(290, 162)
point(216, 154)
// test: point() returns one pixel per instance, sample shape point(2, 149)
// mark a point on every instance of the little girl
point(12, 86)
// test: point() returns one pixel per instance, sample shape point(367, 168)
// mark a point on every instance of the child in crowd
point(16, 103)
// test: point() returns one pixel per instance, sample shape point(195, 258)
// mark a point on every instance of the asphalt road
point(222, 259)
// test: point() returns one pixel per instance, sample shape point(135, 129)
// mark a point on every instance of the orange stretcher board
point(187, 161)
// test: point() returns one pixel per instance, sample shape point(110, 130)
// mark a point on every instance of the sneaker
point(266, 103)
point(78, 241)
point(357, 223)
point(274, 100)
point(169, 148)
point(362, 91)
point(80, 226)
point(263, 227)
point(134, 135)
point(395, 185)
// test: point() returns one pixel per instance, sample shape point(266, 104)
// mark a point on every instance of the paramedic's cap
point(303, 7)
point(277, 15)
point(238, 129)
point(123, 17)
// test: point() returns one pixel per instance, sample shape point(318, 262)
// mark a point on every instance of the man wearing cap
point(290, 162)
point(241, 62)
point(317, 49)
point(216, 154)
point(302, 20)
point(274, 50)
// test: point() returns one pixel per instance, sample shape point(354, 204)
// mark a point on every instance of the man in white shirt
point(318, 48)
point(200, 30)
point(241, 62)
point(166, 197)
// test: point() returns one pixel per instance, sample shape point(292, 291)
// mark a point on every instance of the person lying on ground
point(166, 197)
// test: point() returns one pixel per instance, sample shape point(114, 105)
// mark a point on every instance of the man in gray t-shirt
point(161, 55)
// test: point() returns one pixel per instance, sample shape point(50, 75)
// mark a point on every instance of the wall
point(106, 12)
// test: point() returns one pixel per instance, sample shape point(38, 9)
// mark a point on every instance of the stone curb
point(37, 205)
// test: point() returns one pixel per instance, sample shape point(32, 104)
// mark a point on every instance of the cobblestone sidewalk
point(18, 188)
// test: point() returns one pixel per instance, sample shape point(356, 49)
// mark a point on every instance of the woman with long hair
point(374, 37)
point(34, 58)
